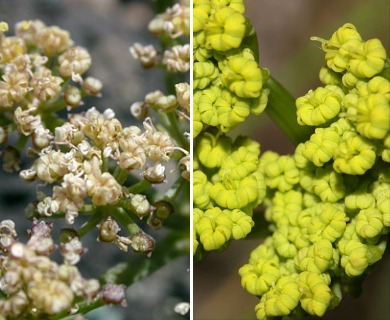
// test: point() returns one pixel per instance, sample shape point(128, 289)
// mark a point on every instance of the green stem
point(282, 110)
point(90, 224)
point(121, 215)
point(120, 175)
point(139, 187)
point(21, 143)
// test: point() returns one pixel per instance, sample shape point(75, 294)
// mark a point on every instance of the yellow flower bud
point(258, 279)
point(201, 190)
point(239, 164)
point(242, 224)
point(280, 300)
point(317, 258)
point(329, 223)
point(225, 29)
point(200, 14)
point(241, 75)
point(208, 112)
point(368, 58)
point(204, 73)
point(369, 223)
point(316, 295)
point(212, 151)
point(354, 155)
point(354, 257)
point(372, 117)
point(214, 228)
point(235, 194)
point(319, 106)
point(328, 184)
point(321, 146)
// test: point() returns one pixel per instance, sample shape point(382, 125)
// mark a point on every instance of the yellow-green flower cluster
point(228, 87)
point(353, 106)
point(228, 184)
point(329, 203)
point(228, 83)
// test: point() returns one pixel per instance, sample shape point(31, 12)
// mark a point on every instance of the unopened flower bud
point(72, 250)
point(72, 96)
point(139, 110)
point(183, 96)
point(108, 230)
point(92, 86)
point(182, 308)
point(167, 103)
point(155, 174)
point(154, 222)
point(114, 294)
point(7, 234)
point(42, 229)
point(140, 205)
point(142, 242)
point(163, 209)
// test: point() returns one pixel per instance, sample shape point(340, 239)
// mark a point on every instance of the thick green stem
point(120, 175)
point(282, 110)
point(121, 215)
point(139, 187)
point(90, 224)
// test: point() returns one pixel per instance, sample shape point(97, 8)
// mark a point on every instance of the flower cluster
point(41, 73)
point(328, 204)
point(174, 107)
point(228, 86)
point(174, 24)
point(35, 284)
point(89, 164)
point(79, 157)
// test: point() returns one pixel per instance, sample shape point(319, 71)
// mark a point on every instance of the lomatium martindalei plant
point(328, 205)
point(92, 166)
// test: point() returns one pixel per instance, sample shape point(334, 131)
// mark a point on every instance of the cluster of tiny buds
point(32, 281)
point(42, 72)
point(160, 102)
point(92, 139)
point(174, 22)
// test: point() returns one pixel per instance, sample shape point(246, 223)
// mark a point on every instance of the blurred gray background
point(106, 28)
point(284, 28)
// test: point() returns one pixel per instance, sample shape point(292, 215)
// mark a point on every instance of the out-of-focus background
point(284, 28)
point(106, 28)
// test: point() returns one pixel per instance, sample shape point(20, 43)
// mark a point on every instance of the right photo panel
point(291, 152)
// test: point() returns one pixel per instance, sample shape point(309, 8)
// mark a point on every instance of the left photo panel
point(95, 201)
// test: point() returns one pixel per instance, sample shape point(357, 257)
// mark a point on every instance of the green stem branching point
point(121, 215)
